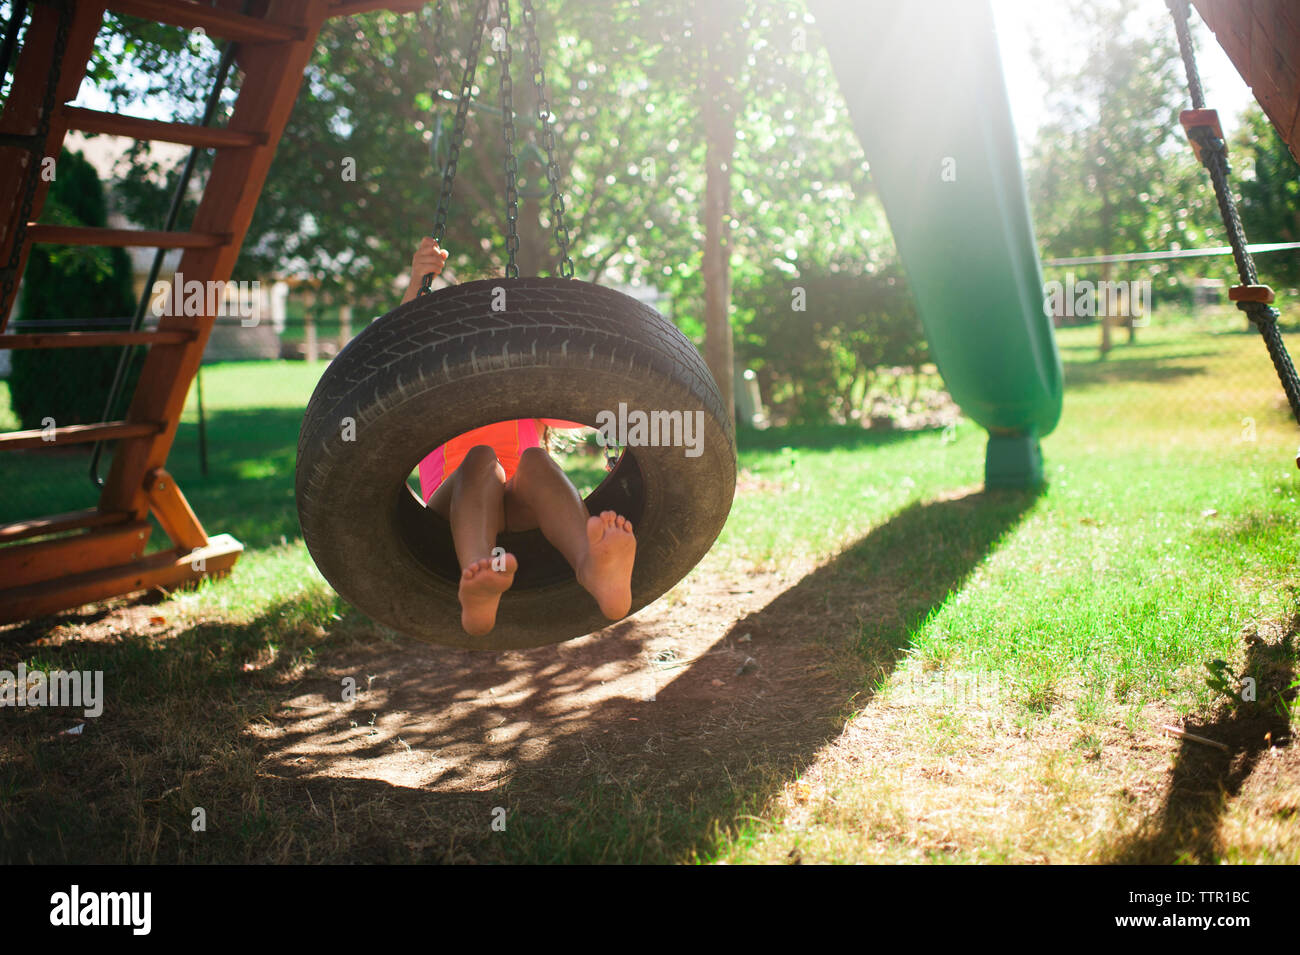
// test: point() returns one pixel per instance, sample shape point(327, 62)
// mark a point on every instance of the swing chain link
point(508, 134)
point(533, 48)
point(458, 133)
point(36, 156)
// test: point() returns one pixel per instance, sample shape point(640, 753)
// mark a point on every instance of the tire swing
point(452, 360)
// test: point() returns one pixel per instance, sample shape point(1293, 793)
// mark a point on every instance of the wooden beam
point(167, 569)
point(213, 20)
point(152, 130)
point(1262, 39)
point(77, 434)
point(93, 339)
point(173, 511)
point(22, 565)
point(124, 238)
point(59, 523)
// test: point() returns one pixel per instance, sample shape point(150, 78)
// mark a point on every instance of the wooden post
point(345, 326)
point(309, 320)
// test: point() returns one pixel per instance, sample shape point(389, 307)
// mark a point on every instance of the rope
point(1214, 156)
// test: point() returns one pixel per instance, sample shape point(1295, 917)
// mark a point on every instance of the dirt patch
point(663, 695)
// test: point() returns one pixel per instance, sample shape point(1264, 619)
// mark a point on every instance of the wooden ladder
point(54, 563)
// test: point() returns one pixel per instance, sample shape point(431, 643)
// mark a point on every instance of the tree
point(1112, 172)
point(1269, 179)
point(720, 50)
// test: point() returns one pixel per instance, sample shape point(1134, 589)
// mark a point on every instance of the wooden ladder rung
point(214, 20)
point(143, 238)
point(76, 434)
point(166, 569)
point(36, 561)
point(59, 523)
point(93, 339)
point(150, 130)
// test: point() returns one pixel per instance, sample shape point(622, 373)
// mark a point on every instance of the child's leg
point(601, 550)
point(473, 501)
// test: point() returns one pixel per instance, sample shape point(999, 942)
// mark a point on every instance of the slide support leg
point(1013, 460)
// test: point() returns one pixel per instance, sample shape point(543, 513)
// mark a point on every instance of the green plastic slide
point(925, 91)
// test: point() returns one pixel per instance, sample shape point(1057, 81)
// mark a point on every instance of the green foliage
point(1112, 172)
point(816, 341)
point(70, 282)
point(1269, 179)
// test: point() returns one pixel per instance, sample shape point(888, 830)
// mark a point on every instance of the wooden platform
point(1262, 38)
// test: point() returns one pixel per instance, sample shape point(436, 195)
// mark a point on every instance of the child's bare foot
point(607, 571)
point(481, 588)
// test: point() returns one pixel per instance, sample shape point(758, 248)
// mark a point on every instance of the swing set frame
point(54, 563)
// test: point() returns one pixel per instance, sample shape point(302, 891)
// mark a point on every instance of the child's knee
point(534, 460)
point(481, 457)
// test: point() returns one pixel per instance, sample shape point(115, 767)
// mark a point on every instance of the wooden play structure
point(53, 563)
point(60, 561)
point(1262, 38)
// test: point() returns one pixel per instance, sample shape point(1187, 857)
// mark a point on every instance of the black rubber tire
point(446, 363)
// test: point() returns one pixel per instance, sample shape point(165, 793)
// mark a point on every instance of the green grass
point(1167, 526)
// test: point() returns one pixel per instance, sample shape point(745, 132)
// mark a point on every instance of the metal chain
point(10, 272)
point(508, 134)
point(458, 132)
point(1214, 155)
point(548, 138)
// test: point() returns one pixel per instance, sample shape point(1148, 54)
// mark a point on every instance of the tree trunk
point(718, 109)
point(535, 254)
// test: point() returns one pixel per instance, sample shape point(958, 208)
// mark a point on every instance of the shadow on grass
point(1094, 373)
point(820, 437)
point(632, 746)
point(1204, 779)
